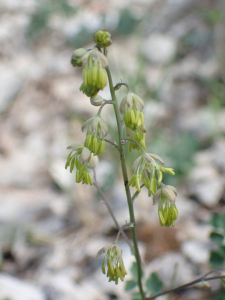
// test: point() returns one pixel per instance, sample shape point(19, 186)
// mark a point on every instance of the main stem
point(125, 178)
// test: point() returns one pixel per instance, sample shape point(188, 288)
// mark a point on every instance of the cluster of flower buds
point(94, 73)
point(146, 167)
point(167, 209)
point(81, 158)
point(132, 109)
point(115, 265)
point(103, 39)
point(97, 129)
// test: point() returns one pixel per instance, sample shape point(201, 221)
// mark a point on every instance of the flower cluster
point(146, 167)
point(132, 109)
point(94, 74)
point(114, 261)
point(97, 129)
point(81, 158)
point(167, 209)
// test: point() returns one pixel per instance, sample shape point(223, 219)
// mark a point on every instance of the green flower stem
point(142, 149)
point(112, 143)
point(181, 287)
point(103, 104)
point(137, 193)
point(121, 230)
point(118, 85)
point(125, 178)
point(106, 202)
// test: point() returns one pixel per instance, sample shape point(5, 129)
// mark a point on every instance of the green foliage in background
point(217, 256)
point(153, 283)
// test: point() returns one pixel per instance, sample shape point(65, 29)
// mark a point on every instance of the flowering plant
point(147, 169)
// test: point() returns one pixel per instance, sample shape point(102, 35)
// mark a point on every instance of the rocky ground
point(172, 55)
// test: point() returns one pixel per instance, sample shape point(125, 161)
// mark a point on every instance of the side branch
point(181, 287)
point(112, 215)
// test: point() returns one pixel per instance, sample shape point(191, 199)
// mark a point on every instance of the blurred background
point(171, 52)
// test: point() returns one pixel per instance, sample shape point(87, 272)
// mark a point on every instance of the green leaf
point(134, 271)
point(216, 259)
point(220, 296)
point(130, 284)
point(154, 284)
point(216, 237)
point(136, 296)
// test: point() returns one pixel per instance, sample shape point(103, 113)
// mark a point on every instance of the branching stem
point(181, 287)
point(129, 139)
point(121, 230)
point(125, 178)
point(112, 143)
point(112, 214)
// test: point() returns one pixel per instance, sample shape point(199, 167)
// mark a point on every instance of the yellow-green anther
point(114, 262)
point(167, 209)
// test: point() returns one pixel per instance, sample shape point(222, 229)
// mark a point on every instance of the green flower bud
point(131, 107)
point(93, 161)
point(97, 100)
point(94, 74)
point(97, 129)
point(167, 209)
point(76, 59)
point(103, 39)
point(114, 261)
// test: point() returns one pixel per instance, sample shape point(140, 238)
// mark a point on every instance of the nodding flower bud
point(93, 161)
point(76, 59)
point(94, 74)
point(97, 100)
point(80, 157)
point(114, 261)
point(131, 107)
point(103, 39)
point(146, 167)
point(97, 129)
point(167, 209)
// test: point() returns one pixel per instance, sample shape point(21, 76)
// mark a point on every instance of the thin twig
point(137, 193)
point(112, 143)
point(129, 139)
point(118, 85)
point(112, 214)
point(103, 104)
point(181, 287)
point(121, 230)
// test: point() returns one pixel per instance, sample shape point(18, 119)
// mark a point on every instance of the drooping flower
point(167, 209)
point(131, 107)
point(94, 74)
point(97, 129)
point(114, 262)
point(149, 168)
point(80, 158)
